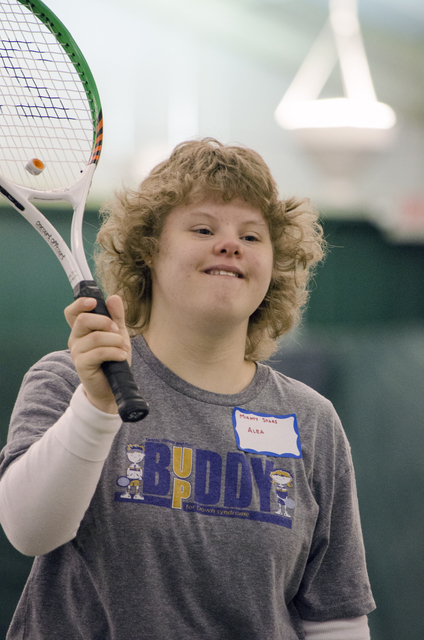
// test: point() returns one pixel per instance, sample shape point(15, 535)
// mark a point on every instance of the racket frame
point(74, 53)
point(132, 407)
point(74, 262)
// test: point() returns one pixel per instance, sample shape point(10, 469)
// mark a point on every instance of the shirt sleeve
point(346, 629)
point(335, 583)
point(53, 469)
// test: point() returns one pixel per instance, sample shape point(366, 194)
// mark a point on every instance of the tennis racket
point(51, 134)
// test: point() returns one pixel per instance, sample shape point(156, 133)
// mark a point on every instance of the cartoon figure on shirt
point(132, 481)
point(283, 481)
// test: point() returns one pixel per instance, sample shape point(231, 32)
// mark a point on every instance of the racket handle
point(131, 406)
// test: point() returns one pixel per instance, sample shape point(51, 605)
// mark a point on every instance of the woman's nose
point(230, 245)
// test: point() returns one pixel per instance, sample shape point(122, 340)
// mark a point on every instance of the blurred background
point(169, 70)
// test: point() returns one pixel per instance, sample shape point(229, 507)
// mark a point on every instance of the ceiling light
point(340, 40)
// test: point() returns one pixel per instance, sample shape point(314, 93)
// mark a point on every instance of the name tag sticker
point(267, 434)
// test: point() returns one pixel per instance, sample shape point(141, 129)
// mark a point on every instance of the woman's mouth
point(222, 272)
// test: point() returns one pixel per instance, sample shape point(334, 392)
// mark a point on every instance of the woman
point(173, 527)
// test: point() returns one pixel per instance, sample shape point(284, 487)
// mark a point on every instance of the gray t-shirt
point(220, 517)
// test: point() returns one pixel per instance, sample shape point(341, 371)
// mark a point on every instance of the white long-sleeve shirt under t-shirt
point(60, 473)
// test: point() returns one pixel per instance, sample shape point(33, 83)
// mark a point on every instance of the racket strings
point(44, 109)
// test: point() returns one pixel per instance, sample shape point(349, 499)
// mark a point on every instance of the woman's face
point(214, 263)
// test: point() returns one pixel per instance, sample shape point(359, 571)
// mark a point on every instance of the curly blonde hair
point(133, 223)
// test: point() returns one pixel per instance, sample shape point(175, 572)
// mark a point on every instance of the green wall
point(361, 344)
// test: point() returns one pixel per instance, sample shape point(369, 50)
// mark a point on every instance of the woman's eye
point(203, 231)
point(251, 238)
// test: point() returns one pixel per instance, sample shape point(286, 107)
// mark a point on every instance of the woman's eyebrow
point(260, 223)
point(211, 216)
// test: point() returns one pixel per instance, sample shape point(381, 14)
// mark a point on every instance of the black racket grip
point(131, 405)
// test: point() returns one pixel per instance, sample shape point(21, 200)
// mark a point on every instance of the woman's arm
point(45, 493)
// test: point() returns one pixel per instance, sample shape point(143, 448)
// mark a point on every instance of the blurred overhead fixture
point(354, 122)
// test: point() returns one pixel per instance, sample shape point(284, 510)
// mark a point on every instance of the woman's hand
point(93, 340)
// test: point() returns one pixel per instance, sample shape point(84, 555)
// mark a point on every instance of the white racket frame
point(73, 260)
